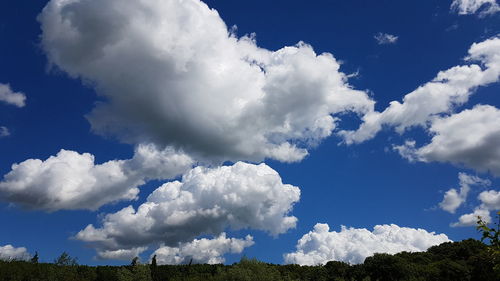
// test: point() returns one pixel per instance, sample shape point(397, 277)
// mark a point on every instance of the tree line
point(455, 261)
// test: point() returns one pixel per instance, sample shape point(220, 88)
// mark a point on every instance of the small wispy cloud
point(7, 95)
point(385, 38)
point(4, 132)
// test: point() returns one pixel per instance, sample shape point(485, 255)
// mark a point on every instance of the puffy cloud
point(450, 88)
point(453, 198)
point(353, 245)
point(10, 97)
point(471, 219)
point(385, 38)
point(9, 252)
point(470, 138)
point(206, 201)
point(466, 7)
point(72, 181)
point(490, 199)
point(4, 131)
point(203, 250)
point(172, 74)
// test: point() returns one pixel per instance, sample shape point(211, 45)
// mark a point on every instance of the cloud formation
point(70, 181)
point(205, 202)
point(471, 219)
point(172, 74)
point(121, 254)
point(10, 97)
point(353, 245)
point(203, 250)
point(470, 138)
point(490, 200)
point(453, 198)
point(4, 132)
point(385, 38)
point(467, 7)
point(9, 252)
point(449, 89)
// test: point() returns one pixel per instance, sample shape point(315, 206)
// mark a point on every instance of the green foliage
point(465, 260)
point(488, 233)
point(65, 259)
point(135, 261)
point(492, 235)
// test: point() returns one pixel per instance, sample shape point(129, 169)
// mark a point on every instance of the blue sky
point(162, 87)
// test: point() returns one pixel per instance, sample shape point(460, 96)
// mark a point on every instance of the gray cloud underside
point(171, 73)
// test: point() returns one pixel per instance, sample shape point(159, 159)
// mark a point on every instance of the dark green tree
point(154, 269)
point(66, 260)
point(34, 259)
point(386, 267)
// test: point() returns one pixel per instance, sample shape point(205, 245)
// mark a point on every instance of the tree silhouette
point(65, 260)
point(34, 259)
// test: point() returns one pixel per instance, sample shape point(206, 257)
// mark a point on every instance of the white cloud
point(453, 198)
point(449, 89)
point(471, 219)
point(490, 199)
point(353, 245)
point(385, 38)
point(470, 138)
point(467, 7)
point(203, 250)
point(4, 131)
point(10, 97)
point(9, 252)
point(172, 74)
point(72, 181)
point(206, 201)
point(121, 254)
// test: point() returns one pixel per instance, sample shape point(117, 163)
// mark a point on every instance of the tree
point(65, 260)
point(154, 269)
point(491, 234)
point(153, 261)
point(386, 267)
point(34, 259)
point(135, 261)
point(337, 269)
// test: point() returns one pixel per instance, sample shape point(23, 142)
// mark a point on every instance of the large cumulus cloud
point(71, 180)
point(203, 250)
point(353, 245)
point(206, 201)
point(172, 74)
